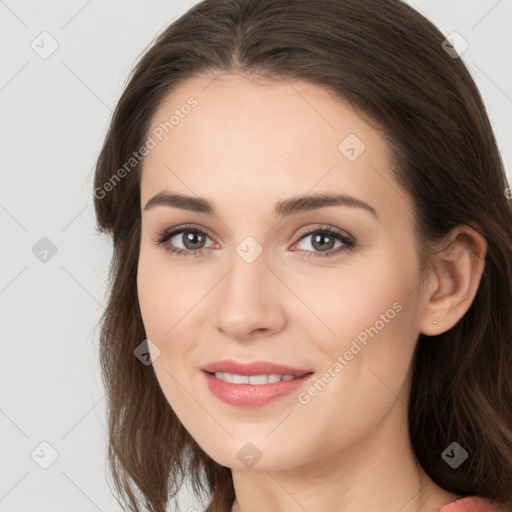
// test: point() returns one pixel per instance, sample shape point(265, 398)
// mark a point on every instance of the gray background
point(55, 112)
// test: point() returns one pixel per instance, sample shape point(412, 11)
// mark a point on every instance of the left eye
point(194, 239)
point(321, 240)
point(324, 237)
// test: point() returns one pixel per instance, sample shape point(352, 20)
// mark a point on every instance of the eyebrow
point(291, 206)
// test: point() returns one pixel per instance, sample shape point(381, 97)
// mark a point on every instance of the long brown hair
point(389, 63)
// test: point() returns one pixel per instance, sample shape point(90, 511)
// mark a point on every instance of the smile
point(254, 390)
point(235, 378)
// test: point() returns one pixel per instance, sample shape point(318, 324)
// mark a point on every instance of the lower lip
point(252, 395)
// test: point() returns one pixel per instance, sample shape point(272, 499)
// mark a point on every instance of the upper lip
point(254, 368)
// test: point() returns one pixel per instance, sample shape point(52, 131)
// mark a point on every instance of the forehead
point(265, 138)
point(235, 111)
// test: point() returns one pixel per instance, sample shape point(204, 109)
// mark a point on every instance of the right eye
point(187, 235)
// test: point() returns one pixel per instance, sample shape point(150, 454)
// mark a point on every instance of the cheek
point(165, 299)
point(169, 298)
point(366, 370)
point(376, 324)
point(157, 281)
point(163, 310)
point(156, 291)
point(372, 302)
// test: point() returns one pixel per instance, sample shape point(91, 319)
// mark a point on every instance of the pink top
point(468, 504)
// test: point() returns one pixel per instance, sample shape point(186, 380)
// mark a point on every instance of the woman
point(313, 247)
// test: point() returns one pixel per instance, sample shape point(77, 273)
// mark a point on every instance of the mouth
point(256, 380)
point(253, 369)
point(252, 391)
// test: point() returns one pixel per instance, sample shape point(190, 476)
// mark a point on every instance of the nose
point(249, 300)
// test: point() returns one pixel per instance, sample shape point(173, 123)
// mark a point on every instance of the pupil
point(192, 237)
point(320, 236)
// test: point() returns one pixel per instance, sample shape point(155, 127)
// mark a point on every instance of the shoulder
point(470, 504)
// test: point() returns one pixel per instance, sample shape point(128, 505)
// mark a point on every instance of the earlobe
point(455, 280)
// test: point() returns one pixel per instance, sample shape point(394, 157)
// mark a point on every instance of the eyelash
point(349, 242)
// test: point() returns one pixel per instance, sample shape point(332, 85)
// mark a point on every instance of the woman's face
point(262, 286)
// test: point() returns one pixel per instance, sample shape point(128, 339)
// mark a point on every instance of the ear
point(453, 283)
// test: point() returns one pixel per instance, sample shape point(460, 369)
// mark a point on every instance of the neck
point(378, 472)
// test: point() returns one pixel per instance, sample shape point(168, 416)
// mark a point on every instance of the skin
point(247, 145)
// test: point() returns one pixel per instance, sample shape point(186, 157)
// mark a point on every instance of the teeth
point(253, 379)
